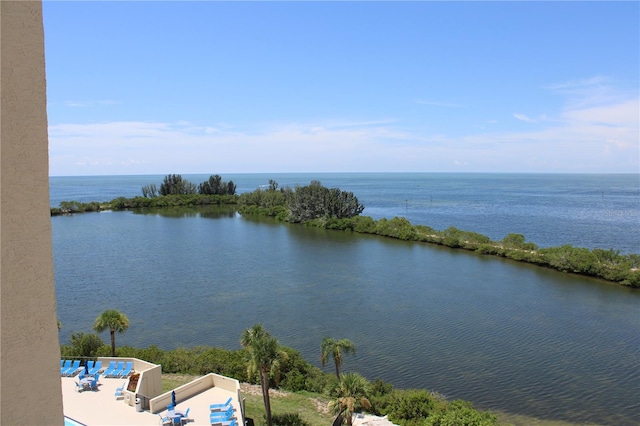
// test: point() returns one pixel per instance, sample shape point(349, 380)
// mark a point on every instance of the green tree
point(263, 358)
point(336, 349)
point(149, 191)
point(84, 344)
point(350, 395)
point(176, 185)
point(114, 321)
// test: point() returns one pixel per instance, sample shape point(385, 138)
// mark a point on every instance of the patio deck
point(95, 408)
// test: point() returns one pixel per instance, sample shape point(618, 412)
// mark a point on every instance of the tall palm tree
point(351, 395)
point(336, 349)
point(114, 321)
point(264, 353)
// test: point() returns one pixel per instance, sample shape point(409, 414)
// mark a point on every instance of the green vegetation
point(264, 358)
point(606, 264)
point(350, 395)
point(114, 321)
point(335, 349)
point(317, 206)
point(312, 395)
point(303, 204)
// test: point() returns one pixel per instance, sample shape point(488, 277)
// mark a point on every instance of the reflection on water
point(504, 335)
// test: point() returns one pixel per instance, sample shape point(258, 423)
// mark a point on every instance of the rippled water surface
point(503, 335)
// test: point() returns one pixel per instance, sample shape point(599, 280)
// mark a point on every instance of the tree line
point(262, 359)
point(318, 206)
point(609, 264)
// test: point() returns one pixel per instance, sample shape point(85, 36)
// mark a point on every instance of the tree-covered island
point(318, 206)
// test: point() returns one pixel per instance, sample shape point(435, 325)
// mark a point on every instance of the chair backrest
point(112, 365)
point(98, 365)
point(67, 364)
point(90, 364)
point(129, 365)
point(186, 413)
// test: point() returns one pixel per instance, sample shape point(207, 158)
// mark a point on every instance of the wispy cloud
point(597, 133)
point(523, 117)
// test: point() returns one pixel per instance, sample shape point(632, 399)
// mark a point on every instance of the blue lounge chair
point(222, 416)
point(221, 407)
point(115, 370)
point(96, 368)
point(233, 422)
point(71, 371)
point(127, 370)
point(110, 369)
point(64, 367)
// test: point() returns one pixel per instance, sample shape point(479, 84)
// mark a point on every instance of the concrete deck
point(97, 408)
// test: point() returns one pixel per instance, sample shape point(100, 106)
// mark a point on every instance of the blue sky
point(241, 87)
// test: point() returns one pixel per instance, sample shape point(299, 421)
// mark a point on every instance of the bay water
point(504, 335)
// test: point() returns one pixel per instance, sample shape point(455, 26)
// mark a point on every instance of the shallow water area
point(504, 335)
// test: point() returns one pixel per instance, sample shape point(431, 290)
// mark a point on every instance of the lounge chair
point(64, 366)
point(233, 422)
point(71, 371)
point(90, 365)
point(120, 391)
point(127, 370)
point(164, 420)
point(110, 369)
point(223, 416)
point(221, 407)
point(96, 368)
point(116, 371)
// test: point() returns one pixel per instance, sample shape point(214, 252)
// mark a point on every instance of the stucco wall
point(30, 388)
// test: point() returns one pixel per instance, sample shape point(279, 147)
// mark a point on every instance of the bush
point(288, 419)
point(83, 345)
point(460, 413)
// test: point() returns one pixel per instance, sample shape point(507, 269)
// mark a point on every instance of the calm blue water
point(507, 336)
point(593, 211)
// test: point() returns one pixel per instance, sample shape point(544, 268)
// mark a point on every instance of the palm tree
point(264, 353)
point(351, 395)
point(113, 320)
point(335, 348)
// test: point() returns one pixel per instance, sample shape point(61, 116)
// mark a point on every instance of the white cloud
point(523, 117)
point(596, 131)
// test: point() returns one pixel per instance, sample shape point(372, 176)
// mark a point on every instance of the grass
point(311, 407)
